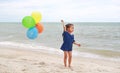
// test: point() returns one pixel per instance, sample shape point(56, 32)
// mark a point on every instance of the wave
point(45, 49)
point(6, 37)
point(31, 46)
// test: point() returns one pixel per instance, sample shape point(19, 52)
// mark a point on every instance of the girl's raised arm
point(63, 25)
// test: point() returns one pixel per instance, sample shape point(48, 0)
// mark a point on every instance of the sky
point(55, 10)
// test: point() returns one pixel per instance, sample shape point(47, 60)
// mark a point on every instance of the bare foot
point(23, 69)
point(65, 65)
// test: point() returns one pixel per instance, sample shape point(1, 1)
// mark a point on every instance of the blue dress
point(68, 40)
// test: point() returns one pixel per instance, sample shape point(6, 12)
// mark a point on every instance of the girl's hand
point(63, 25)
point(78, 45)
point(62, 21)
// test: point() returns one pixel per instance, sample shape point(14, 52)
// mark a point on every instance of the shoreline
point(24, 60)
point(87, 53)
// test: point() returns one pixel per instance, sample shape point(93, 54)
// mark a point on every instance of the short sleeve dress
point(68, 40)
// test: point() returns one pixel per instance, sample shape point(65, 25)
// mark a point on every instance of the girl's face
point(71, 29)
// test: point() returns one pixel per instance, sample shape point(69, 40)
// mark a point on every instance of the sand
point(27, 61)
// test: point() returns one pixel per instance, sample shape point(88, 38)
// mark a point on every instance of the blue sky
point(55, 10)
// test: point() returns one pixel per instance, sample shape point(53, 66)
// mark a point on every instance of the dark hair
point(68, 25)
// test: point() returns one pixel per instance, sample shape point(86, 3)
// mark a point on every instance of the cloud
point(69, 10)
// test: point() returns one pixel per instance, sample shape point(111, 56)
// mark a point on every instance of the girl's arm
point(63, 25)
point(77, 44)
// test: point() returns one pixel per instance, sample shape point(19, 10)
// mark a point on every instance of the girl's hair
point(68, 25)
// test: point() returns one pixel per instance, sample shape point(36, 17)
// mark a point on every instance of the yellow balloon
point(37, 16)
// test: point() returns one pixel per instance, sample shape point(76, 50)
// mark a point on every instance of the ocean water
point(97, 39)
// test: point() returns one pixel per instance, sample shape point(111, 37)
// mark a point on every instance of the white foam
point(29, 46)
point(90, 55)
point(35, 47)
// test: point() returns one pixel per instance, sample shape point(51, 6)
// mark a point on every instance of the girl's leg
point(65, 58)
point(69, 58)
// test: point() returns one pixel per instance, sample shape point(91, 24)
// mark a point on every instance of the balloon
point(32, 33)
point(28, 22)
point(39, 27)
point(37, 16)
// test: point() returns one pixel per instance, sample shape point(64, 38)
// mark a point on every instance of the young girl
point(68, 41)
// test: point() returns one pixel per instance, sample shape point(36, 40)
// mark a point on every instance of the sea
point(98, 39)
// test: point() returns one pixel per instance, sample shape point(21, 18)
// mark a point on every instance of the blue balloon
point(32, 33)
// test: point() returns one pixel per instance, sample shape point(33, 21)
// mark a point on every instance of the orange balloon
point(39, 27)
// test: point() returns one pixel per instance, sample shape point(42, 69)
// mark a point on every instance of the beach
point(27, 61)
point(32, 36)
point(18, 54)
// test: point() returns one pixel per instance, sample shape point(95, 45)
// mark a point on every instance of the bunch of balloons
point(33, 25)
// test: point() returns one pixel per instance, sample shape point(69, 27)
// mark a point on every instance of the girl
point(68, 41)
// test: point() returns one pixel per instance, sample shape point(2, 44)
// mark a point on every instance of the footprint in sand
point(40, 64)
point(3, 65)
point(102, 70)
point(99, 70)
point(24, 59)
point(24, 69)
point(71, 68)
point(118, 67)
point(60, 66)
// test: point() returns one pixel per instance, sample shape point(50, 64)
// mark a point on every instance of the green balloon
point(28, 22)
